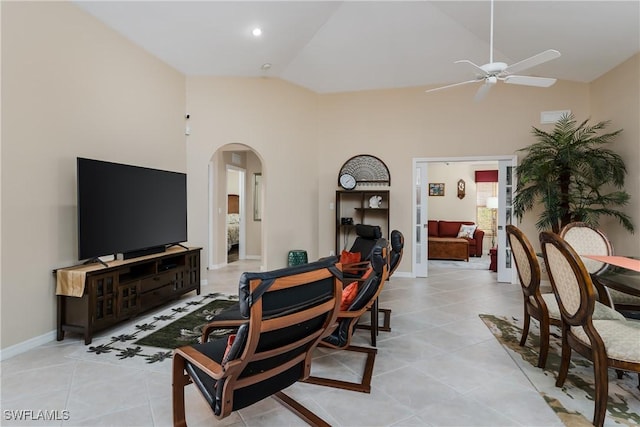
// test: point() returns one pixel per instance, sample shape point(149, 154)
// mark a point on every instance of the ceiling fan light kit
point(490, 73)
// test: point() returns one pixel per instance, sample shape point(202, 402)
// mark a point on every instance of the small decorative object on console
point(374, 201)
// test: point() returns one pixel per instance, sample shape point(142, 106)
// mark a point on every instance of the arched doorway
point(236, 197)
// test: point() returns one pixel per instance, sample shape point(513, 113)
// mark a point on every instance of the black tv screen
point(124, 208)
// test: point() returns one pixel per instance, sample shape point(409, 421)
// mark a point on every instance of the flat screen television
point(129, 210)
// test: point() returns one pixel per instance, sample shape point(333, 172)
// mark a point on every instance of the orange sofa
point(443, 237)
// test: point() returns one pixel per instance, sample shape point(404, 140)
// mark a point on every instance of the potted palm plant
point(573, 175)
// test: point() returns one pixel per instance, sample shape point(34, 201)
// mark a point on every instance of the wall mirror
point(257, 197)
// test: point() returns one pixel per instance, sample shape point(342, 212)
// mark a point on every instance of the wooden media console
point(93, 297)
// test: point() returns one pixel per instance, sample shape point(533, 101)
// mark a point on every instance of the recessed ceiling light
point(257, 32)
point(266, 66)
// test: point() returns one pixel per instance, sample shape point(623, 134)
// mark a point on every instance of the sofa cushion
point(448, 228)
point(433, 228)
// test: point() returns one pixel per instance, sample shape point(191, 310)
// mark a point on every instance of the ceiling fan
point(491, 72)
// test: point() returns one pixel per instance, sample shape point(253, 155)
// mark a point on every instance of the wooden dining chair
point(607, 343)
point(588, 240)
point(541, 306)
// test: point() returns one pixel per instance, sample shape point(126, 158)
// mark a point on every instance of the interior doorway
point(425, 175)
point(235, 232)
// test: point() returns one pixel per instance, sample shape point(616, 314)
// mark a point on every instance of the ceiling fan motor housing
point(494, 68)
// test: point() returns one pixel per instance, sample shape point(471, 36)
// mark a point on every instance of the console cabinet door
point(193, 270)
point(128, 299)
point(103, 289)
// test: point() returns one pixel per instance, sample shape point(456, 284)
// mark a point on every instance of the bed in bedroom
point(233, 221)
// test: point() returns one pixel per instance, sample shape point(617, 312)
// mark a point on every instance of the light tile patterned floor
point(440, 366)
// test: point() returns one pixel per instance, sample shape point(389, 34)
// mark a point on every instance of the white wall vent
point(547, 117)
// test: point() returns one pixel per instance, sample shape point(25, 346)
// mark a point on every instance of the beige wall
point(450, 207)
point(279, 122)
point(70, 87)
point(400, 125)
point(616, 97)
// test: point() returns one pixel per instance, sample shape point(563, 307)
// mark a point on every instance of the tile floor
point(440, 366)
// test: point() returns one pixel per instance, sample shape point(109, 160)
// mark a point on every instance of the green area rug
point(187, 329)
point(573, 403)
point(151, 339)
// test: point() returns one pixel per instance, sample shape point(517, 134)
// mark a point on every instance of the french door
point(506, 187)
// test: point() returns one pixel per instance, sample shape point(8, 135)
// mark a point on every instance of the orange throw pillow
point(348, 295)
point(230, 339)
point(347, 257)
point(367, 273)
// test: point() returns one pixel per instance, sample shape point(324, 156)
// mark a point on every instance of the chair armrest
point(353, 265)
point(355, 268)
point(209, 366)
point(220, 324)
point(478, 234)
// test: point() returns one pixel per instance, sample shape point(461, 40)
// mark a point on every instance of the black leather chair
point(395, 256)
point(367, 236)
point(368, 291)
point(284, 314)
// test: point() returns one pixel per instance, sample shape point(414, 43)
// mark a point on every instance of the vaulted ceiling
point(337, 46)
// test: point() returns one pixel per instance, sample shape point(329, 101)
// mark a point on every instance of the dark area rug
point(188, 328)
point(573, 403)
point(151, 339)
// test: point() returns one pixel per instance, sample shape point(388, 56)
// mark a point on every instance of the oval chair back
point(587, 240)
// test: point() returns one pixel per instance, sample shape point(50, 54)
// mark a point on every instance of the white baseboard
point(403, 274)
point(27, 345)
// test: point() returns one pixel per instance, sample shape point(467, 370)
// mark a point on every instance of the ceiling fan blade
point(475, 67)
point(532, 61)
point(530, 81)
point(450, 86)
point(483, 91)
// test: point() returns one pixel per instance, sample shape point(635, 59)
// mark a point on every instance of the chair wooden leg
point(364, 386)
point(374, 322)
point(525, 327)
point(386, 321)
point(602, 390)
point(180, 380)
point(300, 410)
point(544, 343)
point(564, 362)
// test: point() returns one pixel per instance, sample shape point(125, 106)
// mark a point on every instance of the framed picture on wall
point(436, 189)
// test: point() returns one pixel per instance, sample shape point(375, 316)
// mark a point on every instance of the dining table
point(622, 273)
